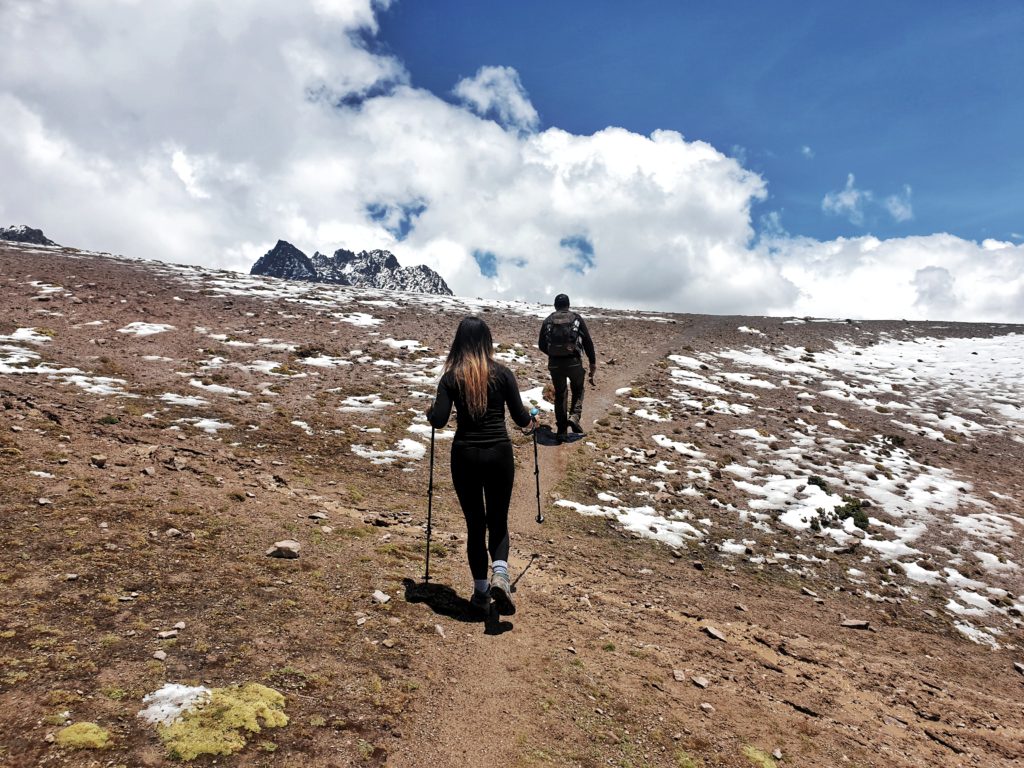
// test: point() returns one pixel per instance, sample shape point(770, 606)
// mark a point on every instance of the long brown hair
point(471, 362)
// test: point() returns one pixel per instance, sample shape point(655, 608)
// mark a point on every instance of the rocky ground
point(780, 537)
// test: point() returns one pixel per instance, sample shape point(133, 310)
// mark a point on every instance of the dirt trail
point(484, 706)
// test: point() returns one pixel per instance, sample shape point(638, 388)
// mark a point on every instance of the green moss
point(759, 758)
point(222, 725)
point(818, 481)
point(83, 736)
point(683, 760)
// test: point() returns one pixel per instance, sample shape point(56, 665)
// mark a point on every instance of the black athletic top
point(585, 340)
point(490, 429)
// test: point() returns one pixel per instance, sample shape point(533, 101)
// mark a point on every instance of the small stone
point(701, 682)
point(1019, 667)
point(855, 624)
point(714, 634)
point(104, 526)
point(381, 597)
point(707, 708)
point(172, 533)
point(43, 502)
point(389, 643)
point(777, 754)
point(98, 460)
point(439, 629)
point(168, 634)
point(250, 495)
point(180, 625)
point(160, 655)
point(49, 738)
point(71, 577)
point(149, 471)
point(317, 516)
point(16, 428)
point(808, 592)
point(360, 621)
point(741, 607)
point(678, 675)
point(698, 565)
point(326, 529)
point(287, 549)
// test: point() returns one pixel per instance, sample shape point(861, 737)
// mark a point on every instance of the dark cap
point(561, 301)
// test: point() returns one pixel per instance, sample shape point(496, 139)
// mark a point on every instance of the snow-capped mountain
point(25, 234)
point(367, 269)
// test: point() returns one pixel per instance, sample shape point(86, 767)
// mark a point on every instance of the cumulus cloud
point(848, 202)
point(934, 286)
point(201, 131)
point(498, 92)
point(866, 277)
point(807, 152)
point(899, 206)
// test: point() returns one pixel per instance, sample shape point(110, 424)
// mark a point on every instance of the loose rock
point(381, 597)
point(700, 682)
point(707, 708)
point(287, 549)
point(160, 656)
point(855, 624)
point(98, 460)
point(714, 634)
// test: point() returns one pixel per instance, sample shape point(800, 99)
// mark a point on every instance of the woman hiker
point(482, 465)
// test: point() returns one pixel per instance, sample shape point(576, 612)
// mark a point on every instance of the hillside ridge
point(778, 536)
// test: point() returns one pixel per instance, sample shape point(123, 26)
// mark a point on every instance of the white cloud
point(848, 202)
point(934, 286)
point(807, 152)
point(201, 131)
point(899, 206)
point(498, 92)
point(866, 277)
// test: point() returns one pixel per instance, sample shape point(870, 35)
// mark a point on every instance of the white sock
point(480, 585)
point(500, 566)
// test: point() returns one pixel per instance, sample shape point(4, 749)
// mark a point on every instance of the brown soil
point(584, 674)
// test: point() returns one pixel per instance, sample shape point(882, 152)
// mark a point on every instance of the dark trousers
point(483, 480)
point(567, 374)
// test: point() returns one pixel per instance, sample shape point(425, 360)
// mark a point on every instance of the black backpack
point(563, 334)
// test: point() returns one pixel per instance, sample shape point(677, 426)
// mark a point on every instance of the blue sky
point(925, 95)
point(766, 158)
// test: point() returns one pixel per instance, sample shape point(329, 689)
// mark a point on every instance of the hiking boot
point(480, 601)
point(574, 424)
point(561, 436)
point(501, 591)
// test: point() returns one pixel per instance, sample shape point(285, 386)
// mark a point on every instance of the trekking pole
point(536, 469)
point(430, 504)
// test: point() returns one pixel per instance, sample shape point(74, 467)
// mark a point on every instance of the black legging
point(483, 479)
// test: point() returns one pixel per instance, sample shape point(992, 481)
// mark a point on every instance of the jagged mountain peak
point(371, 269)
point(22, 233)
point(286, 261)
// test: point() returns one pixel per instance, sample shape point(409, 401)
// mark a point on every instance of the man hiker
point(564, 338)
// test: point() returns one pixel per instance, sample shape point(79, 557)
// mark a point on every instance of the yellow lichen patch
point(83, 736)
point(759, 758)
point(221, 726)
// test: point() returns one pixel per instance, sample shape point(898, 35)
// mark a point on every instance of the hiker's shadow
point(444, 601)
point(546, 436)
